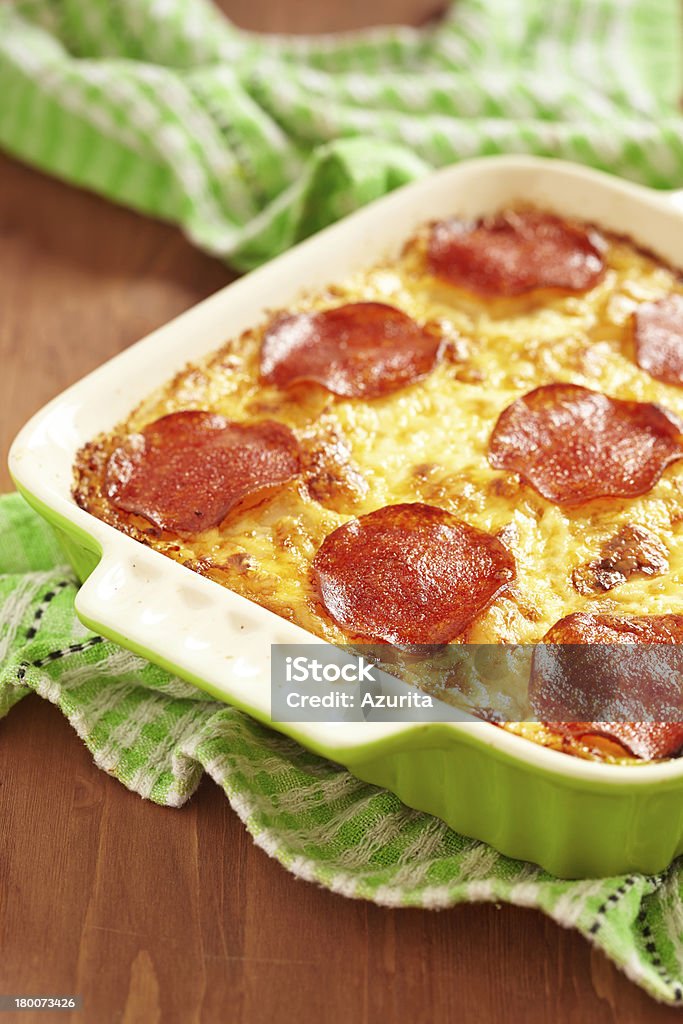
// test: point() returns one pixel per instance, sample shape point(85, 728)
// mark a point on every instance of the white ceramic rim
point(194, 625)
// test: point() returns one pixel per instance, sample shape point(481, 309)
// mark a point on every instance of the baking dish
point(576, 818)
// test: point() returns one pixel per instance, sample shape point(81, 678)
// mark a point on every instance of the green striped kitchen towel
point(252, 142)
point(157, 734)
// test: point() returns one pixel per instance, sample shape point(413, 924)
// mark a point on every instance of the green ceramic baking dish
point(576, 818)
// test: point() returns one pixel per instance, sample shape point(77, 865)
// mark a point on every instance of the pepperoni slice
point(658, 336)
point(572, 444)
point(187, 470)
point(613, 676)
point(515, 253)
point(362, 350)
point(409, 574)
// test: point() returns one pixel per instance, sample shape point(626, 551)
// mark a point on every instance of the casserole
point(576, 818)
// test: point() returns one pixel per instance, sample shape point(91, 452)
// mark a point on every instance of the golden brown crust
point(632, 551)
point(588, 747)
point(328, 469)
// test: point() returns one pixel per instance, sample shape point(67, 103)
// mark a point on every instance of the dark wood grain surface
point(161, 915)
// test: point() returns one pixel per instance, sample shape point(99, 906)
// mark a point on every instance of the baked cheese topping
point(426, 439)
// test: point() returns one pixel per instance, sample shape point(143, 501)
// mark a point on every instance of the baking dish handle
point(221, 641)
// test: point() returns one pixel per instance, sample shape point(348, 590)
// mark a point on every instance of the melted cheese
point(428, 442)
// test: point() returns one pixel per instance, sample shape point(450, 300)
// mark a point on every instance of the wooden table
point(161, 915)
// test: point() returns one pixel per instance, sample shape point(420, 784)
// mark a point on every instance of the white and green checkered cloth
point(251, 143)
